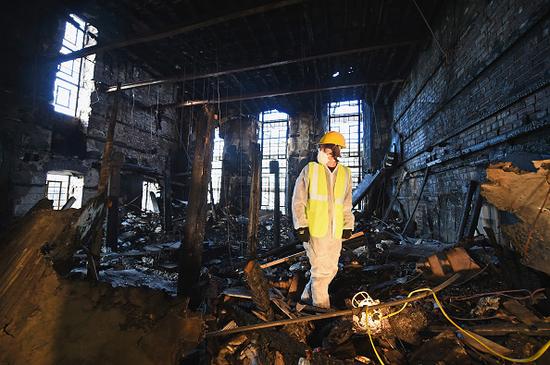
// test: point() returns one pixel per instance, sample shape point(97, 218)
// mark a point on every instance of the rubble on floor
point(378, 265)
point(47, 318)
point(146, 255)
point(388, 268)
point(383, 263)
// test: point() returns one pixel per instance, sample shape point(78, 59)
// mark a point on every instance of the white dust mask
point(322, 157)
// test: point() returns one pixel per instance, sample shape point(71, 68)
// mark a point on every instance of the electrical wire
point(370, 338)
point(430, 29)
point(471, 335)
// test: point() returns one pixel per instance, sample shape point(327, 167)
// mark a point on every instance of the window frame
point(355, 151)
point(71, 80)
point(268, 183)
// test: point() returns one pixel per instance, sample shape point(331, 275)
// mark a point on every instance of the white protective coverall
point(323, 253)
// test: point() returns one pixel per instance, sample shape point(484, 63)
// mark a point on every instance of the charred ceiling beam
point(133, 85)
point(271, 94)
point(177, 31)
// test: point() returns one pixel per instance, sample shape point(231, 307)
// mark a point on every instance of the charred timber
point(190, 256)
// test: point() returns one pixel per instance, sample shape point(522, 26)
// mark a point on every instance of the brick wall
point(377, 126)
point(35, 139)
point(486, 98)
point(145, 133)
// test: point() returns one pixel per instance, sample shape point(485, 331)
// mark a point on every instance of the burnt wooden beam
point(108, 146)
point(472, 187)
point(333, 314)
point(190, 254)
point(104, 173)
point(271, 94)
point(113, 193)
point(254, 199)
point(259, 286)
point(175, 32)
point(217, 73)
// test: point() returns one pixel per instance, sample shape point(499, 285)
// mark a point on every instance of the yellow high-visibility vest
point(317, 204)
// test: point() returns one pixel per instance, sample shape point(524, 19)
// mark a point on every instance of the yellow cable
point(370, 337)
point(532, 358)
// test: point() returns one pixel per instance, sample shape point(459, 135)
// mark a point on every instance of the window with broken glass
point(149, 194)
point(345, 117)
point(273, 140)
point(74, 85)
point(61, 186)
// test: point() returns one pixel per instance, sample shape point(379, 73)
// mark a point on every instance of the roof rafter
point(144, 83)
point(271, 94)
point(175, 32)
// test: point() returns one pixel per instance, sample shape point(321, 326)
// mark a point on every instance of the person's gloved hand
point(303, 234)
point(346, 233)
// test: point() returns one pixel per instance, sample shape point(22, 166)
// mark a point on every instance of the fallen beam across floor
point(301, 253)
point(340, 313)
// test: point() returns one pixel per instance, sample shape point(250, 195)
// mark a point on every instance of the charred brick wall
point(377, 134)
point(145, 132)
point(485, 98)
point(29, 124)
point(36, 139)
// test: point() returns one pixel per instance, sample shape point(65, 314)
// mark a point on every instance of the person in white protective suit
point(322, 217)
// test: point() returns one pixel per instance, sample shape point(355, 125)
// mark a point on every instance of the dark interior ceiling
point(294, 30)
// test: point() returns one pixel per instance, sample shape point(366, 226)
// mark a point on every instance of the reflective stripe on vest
point(317, 208)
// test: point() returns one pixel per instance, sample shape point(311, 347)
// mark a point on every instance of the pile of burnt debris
point(395, 299)
point(463, 309)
